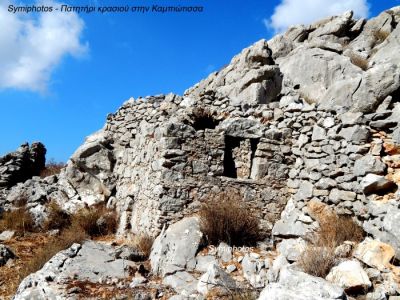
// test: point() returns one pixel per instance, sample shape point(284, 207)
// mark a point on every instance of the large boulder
point(175, 248)
point(383, 226)
point(88, 177)
point(90, 262)
point(349, 275)
point(35, 193)
point(294, 284)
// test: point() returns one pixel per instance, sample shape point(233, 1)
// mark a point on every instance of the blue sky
point(63, 86)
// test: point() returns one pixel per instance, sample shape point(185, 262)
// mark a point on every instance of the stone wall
point(168, 167)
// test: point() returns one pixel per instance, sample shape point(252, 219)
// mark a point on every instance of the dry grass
point(319, 255)
point(86, 223)
point(52, 168)
point(226, 218)
point(359, 61)
point(144, 243)
point(56, 244)
point(35, 249)
point(335, 230)
point(317, 260)
point(222, 292)
point(19, 220)
point(243, 295)
point(95, 221)
point(140, 242)
point(381, 35)
point(202, 119)
point(56, 218)
point(25, 248)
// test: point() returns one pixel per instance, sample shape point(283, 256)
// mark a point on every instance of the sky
point(62, 73)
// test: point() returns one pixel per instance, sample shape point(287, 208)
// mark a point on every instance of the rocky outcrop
point(88, 178)
point(294, 284)
point(175, 250)
point(90, 262)
point(22, 164)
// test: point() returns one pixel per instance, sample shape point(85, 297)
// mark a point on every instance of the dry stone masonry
point(307, 119)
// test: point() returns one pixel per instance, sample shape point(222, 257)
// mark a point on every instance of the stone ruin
point(310, 116)
point(294, 118)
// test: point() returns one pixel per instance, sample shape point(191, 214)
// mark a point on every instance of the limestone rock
point(356, 134)
point(88, 176)
point(375, 253)
point(251, 77)
point(318, 134)
point(390, 220)
point(291, 248)
point(337, 195)
point(21, 165)
point(375, 183)
point(204, 261)
point(175, 248)
point(6, 235)
point(224, 252)
point(290, 223)
point(302, 65)
point(369, 164)
point(254, 271)
point(5, 254)
point(298, 285)
point(182, 282)
point(350, 276)
point(90, 262)
point(215, 280)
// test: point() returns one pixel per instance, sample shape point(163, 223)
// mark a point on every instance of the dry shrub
point(223, 292)
point(245, 294)
point(65, 240)
point(381, 35)
point(19, 220)
point(96, 220)
point(142, 242)
point(52, 168)
point(73, 229)
point(359, 61)
point(226, 218)
point(334, 230)
point(319, 255)
point(202, 119)
point(317, 260)
point(56, 218)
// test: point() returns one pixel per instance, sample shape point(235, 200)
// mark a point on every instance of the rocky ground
point(304, 129)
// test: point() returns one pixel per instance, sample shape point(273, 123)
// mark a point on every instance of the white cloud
point(32, 45)
point(294, 12)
